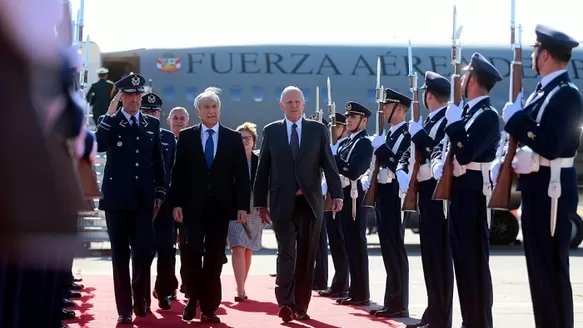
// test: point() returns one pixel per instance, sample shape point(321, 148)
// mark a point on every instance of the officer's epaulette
point(486, 107)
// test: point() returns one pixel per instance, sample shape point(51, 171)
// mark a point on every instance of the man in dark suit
point(100, 94)
point(548, 126)
point(293, 154)
point(166, 284)
point(134, 186)
point(210, 187)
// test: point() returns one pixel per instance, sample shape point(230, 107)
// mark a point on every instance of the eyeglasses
point(291, 102)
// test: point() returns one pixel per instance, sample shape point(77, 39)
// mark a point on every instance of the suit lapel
point(285, 144)
point(197, 140)
point(254, 162)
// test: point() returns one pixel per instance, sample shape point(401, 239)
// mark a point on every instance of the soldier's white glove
point(334, 148)
point(453, 112)
point(495, 169)
point(415, 127)
point(403, 180)
point(437, 170)
point(512, 108)
point(365, 182)
point(378, 141)
point(324, 187)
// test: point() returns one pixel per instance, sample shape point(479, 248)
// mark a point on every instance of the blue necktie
point(209, 148)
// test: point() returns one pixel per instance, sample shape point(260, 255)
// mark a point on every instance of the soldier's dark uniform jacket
point(396, 142)
point(550, 125)
point(134, 174)
point(474, 138)
point(152, 101)
point(99, 96)
point(433, 125)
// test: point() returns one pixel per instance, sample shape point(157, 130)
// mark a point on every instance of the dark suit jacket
point(277, 175)
point(254, 162)
point(228, 175)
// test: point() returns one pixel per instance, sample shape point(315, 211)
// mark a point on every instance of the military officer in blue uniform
point(548, 128)
point(474, 134)
point(333, 227)
point(353, 160)
point(133, 188)
point(433, 228)
point(388, 151)
point(166, 284)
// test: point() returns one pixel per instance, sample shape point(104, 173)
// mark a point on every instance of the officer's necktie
point(134, 121)
point(295, 141)
point(209, 148)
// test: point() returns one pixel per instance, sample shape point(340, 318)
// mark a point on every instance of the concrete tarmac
point(512, 304)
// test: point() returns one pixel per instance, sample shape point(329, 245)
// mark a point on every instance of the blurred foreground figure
point(40, 191)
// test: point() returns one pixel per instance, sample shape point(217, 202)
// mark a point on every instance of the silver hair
point(176, 109)
point(291, 88)
point(208, 93)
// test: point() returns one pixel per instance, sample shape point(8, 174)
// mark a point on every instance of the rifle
point(501, 194)
point(371, 193)
point(410, 200)
point(328, 205)
point(443, 188)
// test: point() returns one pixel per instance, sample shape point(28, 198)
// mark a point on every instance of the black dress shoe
point(285, 313)
point(339, 300)
point(189, 312)
point(67, 314)
point(373, 311)
point(173, 296)
point(273, 274)
point(140, 307)
point(76, 286)
point(123, 319)
point(77, 279)
point(73, 294)
point(418, 325)
point(330, 293)
point(164, 303)
point(355, 302)
point(68, 303)
point(210, 317)
point(386, 313)
point(301, 315)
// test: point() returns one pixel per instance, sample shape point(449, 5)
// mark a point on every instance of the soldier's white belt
point(527, 161)
point(424, 172)
point(344, 181)
point(565, 162)
point(385, 176)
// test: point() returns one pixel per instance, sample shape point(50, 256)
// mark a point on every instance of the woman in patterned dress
point(245, 238)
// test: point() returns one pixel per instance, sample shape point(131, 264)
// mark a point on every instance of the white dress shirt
point(551, 76)
point(204, 136)
point(289, 124)
point(432, 114)
point(395, 127)
point(474, 101)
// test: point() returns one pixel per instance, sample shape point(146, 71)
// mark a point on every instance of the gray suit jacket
point(276, 173)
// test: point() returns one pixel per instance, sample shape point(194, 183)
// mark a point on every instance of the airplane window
point(190, 94)
point(306, 92)
point(278, 92)
point(257, 93)
point(324, 95)
point(372, 95)
point(236, 94)
point(168, 93)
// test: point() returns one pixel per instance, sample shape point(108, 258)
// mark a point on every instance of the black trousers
point(205, 254)
point(321, 267)
point(131, 229)
point(297, 241)
point(335, 231)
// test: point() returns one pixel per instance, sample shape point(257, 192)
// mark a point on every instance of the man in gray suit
point(293, 154)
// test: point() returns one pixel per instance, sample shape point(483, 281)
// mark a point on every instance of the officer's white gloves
point(403, 180)
point(437, 170)
point(512, 108)
point(365, 182)
point(415, 127)
point(378, 141)
point(453, 112)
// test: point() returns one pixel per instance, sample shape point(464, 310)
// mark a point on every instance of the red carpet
point(96, 309)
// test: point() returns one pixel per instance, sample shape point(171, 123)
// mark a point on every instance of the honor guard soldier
point(353, 160)
point(548, 129)
point(433, 228)
point(474, 134)
point(133, 188)
point(333, 226)
point(165, 286)
point(100, 94)
point(388, 151)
